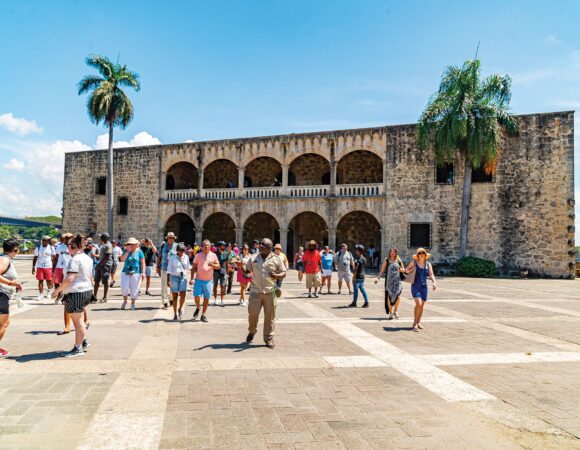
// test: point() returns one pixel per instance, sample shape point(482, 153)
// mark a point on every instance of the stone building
point(370, 186)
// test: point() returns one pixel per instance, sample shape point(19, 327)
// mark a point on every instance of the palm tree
point(108, 104)
point(467, 115)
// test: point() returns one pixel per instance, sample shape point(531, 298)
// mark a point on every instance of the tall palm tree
point(108, 104)
point(467, 115)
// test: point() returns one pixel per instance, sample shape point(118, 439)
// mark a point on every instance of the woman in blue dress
point(419, 270)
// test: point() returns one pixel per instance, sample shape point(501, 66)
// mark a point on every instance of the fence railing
point(308, 191)
point(219, 194)
point(359, 190)
point(262, 192)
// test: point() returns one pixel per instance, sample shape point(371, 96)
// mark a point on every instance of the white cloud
point(14, 164)
point(188, 140)
point(19, 126)
point(139, 140)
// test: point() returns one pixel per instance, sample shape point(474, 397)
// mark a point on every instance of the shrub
point(471, 266)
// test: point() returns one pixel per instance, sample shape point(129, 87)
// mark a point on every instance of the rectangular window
point(445, 174)
point(479, 176)
point(419, 235)
point(101, 187)
point(123, 206)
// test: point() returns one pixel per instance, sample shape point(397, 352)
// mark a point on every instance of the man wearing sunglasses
point(266, 269)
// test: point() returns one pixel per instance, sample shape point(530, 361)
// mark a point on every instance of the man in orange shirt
point(202, 270)
point(312, 268)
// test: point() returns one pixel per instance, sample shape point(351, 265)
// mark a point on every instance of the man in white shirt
point(42, 266)
point(60, 261)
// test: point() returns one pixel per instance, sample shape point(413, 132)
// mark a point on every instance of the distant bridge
point(27, 223)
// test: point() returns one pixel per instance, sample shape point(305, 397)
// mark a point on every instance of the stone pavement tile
point(492, 310)
point(325, 445)
point(559, 329)
point(292, 437)
point(253, 441)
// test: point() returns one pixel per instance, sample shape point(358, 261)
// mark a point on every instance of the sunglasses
point(421, 253)
point(264, 245)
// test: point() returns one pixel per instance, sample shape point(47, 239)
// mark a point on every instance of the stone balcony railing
point(342, 190)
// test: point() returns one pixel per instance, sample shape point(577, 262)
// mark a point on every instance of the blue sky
point(244, 68)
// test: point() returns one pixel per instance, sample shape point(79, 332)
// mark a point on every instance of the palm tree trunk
point(465, 201)
point(110, 197)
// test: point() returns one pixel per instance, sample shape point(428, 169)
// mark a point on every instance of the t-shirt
point(82, 265)
point(327, 260)
point(133, 262)
point(311, 260)
point(63, 256)
point(44, 255)
point(166, 251)
point(117, 252)
point(222, 257)
point(284, 260)
point(106, 253)
point(343, 261)
point(359, 265)
point(372, 252)
point(149, 255)
point(178, 267)
point(202, 263)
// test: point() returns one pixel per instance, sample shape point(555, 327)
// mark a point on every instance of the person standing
point(8, 284)
point(266, 268)
point(42, 266)
point(283, 259)
point(393, 268)
point(62, 258)
point(372, 253)
point(117, 253)
point(104, 267)
point(312, 267)
point(299, 264)
point(231, 268)
point(327, 261)
point(177, 269)
point(344, 262)
point(420, 269)
point(220, 274)
point(360, 263)
point(77, 288)
point(202, 271)
point(166, 249)
point(150, 252)
point(133, 272)
point(255, 249)
point(243, 279)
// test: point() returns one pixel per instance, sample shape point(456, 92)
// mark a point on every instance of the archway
point(182, 225)
point(261, 225)
point(304, 227)
point(309, 169)
point(219, 227)
point(264, 171)
point(181, 175)
point(360, 167)
point(220, 174)
point(359, 227)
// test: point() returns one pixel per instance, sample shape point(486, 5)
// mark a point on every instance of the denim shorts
point(178, 284)
point(419, 292)
point(203, 288)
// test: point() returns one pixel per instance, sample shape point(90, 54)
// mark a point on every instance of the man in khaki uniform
point(266, 268)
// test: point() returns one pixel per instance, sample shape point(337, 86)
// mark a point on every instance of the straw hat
point(171, 234)
point(67, 235)
point(132, 241)
point(278, 246)
point(312, 242)
point(421, 249)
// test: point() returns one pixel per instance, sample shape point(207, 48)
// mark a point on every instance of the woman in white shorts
point(133, 272)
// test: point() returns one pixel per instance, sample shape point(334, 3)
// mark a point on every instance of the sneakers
point(124, 305)
point(48, 293)
point(133, 308)
point(112, 284)
point(270, 344)
point(250, 338)
point(339, 292)
point(40, 298)
point(164, 306)
point(222, 304)
point(204, 319)
point(396, 315)
point(180, 314)
point(4, 353)
point(76, 351)
point(195, 314)
point(86, 344)
point(148, 293)
point(175, 317)
point(315, 295)
point(390, 317)
point(309, 295)
point(366, 305)
point(352, 305)
point(241, 302)
point(214, 303)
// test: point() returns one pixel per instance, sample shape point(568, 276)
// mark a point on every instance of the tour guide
point(266, 268)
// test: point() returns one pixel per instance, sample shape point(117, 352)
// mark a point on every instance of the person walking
point(77, 288)
point(360, 263)
point(266, 268)
point(177, 268)
point(166, 249)
point(255, 247)
point(62, 258)
point(419, 270)
point(231, 267)
point(220, 274)
point(283, 259)
point(327, 261)
point(299, 264)
point(202, 273)
point(394, 271)
point(117, 252)
point(150, 252)
point(243, 279)
point(42, 266)
point(133, 272)
point(312, 266)
point(104, 267)
point(344, 262)
point(8, 285)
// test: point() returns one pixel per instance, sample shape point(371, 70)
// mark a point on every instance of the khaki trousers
point(255, 304)
point(164, 287)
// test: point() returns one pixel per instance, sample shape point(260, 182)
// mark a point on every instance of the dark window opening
point(479, 176)
point(445, 174)
point(325, 178)
point(101, 185)
point(123, 206)
point(419, 235)
point(169, 183)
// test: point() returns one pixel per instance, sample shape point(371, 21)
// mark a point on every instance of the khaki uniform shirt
point(261, 269)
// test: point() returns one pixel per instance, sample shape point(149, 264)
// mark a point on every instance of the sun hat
point(278, 246)
point(312, 242)
point(67, 235)
point(360, 247)
point(46, 238)
point(220, 243)
point(132, 241)
point(421, 249)
point(171, 234)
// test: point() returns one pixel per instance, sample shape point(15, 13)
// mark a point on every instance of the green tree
point(108, 104)
point(467, 115)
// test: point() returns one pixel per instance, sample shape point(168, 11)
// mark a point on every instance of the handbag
point(410, 277)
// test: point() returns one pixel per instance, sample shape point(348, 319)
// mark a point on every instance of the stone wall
point(309, 170)
point(360, 167)
point(184, 176)
point(219, 173)
point(262, 171)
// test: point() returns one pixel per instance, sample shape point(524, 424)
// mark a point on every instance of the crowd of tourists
point(75, 268)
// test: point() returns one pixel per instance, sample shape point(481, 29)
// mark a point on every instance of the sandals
point(61, 333)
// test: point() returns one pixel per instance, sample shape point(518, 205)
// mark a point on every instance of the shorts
point(102, 273)
point(326, 272)
point(44, 274)
point(114, 267)
point(219, 278)
point(130, 285)
point(300, 267)
point(178, 284)
point(419, 292)
point(313, 280)
point(75, 302)
point(344, 276)
point(203, 288)
point(58, 276)
point(4, 303)
point(149, 271)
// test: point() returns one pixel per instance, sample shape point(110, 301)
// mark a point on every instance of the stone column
point(333, 165)
point(384, 248)
point(240, 236)
point(284, 190)
point(200, 182)
point(284, 239)
point(198, 236)
point(332, 238)
point(385, 177)
point(241, 182)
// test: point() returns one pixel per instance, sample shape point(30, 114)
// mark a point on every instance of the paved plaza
point(497, 366)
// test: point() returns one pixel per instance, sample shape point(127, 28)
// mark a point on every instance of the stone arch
point(219, 226)
point(305, 226)
point(219, 174)
point(181, 175)
point(261, 225)
point(359, 227)
point(360, 167)
point(309, 169)
point(182, 225)
point(263, 171)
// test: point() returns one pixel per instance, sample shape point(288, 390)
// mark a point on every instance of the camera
point(181, 274)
